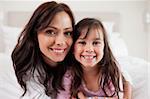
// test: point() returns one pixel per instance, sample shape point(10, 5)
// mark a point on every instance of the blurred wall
point(132, 18)
point(148, 29)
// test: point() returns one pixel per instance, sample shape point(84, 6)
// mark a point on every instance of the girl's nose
point(89, 48)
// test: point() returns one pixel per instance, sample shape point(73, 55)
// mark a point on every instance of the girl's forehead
point(92, 33)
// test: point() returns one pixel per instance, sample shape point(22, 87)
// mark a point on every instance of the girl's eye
point(68, 33)
point(96, 43)
point(82, 42)
point(50, 32)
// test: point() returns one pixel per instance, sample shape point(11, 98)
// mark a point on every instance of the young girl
point(95, 71)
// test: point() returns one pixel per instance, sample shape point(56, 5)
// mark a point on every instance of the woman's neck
point(49, 62)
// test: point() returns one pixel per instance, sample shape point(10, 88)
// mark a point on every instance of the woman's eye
point(50, 32)
point(68, 33)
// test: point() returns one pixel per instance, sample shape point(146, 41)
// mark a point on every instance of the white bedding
point(136, 67)
point(138, 70)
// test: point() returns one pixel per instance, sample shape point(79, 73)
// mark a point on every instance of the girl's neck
point(91, 77)
point(90, 72)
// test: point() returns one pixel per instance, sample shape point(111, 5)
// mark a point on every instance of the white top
point(10, 88)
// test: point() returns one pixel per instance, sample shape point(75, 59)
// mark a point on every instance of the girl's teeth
point(88, 57)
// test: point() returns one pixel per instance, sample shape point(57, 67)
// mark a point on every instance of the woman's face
point(89, 50)
point(55, 40)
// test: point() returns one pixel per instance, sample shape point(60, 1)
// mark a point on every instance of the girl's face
point(89, 50)
point(55, 40)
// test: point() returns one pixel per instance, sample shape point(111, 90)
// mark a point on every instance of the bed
point(136, 67)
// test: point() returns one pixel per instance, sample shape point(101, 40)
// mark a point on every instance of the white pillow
point(10, 35)
point(118, 45)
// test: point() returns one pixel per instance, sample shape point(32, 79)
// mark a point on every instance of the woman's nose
point(60, 40)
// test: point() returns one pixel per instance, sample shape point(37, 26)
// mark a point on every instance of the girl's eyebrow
point(81, 38)
point(93, 39)
point(99, 39)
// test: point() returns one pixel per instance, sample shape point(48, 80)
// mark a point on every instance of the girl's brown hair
point(108, 65)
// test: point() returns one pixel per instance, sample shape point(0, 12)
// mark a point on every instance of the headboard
point(14, 21)
point(20, 18)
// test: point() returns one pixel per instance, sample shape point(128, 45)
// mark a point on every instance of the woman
point(41, 54)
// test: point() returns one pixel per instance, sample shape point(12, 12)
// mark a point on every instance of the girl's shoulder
point(68, 73)
point(68, 76)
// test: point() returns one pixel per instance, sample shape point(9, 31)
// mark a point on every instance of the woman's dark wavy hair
point(26, 56)
point(108, 64)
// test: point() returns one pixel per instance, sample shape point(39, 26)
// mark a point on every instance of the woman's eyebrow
point(53, 27)
point(68, 28)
